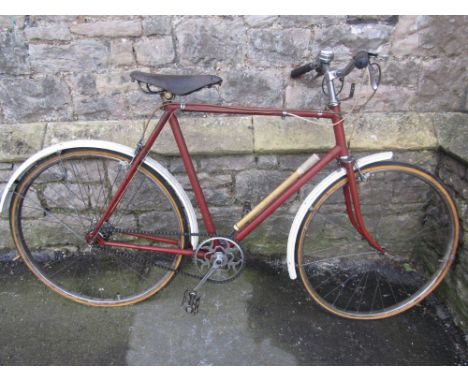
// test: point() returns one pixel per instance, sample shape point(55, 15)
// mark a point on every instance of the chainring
point(230, 253)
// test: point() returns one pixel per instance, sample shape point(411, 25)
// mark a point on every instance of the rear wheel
point(60, 200)
point(409, 213)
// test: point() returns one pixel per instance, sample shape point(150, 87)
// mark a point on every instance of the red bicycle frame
point(338, 152)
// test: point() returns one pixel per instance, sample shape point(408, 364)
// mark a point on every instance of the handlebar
point(322, 66)
point(304, 69)
point(359, 61)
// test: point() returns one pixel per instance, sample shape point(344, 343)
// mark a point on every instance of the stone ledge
point(395, 131)
point(214, 136)
point(376, 131)
point(19, 141)
point(204, 136)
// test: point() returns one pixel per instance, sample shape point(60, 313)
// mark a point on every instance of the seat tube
point(192, 175)
point(135, 164)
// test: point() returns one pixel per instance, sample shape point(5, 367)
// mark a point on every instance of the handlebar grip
point(361, 59)
point(303, 69)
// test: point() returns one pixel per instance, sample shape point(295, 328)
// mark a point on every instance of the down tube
point(244, 232)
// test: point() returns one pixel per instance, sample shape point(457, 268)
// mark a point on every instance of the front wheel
point(61, 199)
point(409, 213)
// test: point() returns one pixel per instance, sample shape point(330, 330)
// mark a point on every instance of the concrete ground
point(262, 318)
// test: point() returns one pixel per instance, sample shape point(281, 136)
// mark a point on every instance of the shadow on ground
point(262, 318)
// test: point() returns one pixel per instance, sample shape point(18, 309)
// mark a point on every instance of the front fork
point(353, 206)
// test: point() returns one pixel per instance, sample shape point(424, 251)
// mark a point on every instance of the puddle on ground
point(261, 318)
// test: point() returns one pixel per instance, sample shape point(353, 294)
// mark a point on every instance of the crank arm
point(191, 300)
point(213, 268)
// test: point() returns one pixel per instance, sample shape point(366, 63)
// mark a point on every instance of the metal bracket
point(346, 159)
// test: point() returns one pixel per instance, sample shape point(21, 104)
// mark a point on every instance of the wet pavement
point(261, 318)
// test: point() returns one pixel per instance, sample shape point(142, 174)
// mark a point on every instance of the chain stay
point(167, 233)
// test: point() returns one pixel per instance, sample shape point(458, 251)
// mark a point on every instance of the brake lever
point(374, 75)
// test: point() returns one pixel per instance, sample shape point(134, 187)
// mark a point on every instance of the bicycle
point(103, 224)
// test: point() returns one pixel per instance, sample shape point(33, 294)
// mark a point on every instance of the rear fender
point(110, 146)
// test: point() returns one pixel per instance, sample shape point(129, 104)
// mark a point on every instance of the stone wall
point(77, 67)
point(67, 77)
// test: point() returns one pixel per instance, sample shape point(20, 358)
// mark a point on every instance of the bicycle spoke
point(414, 226)
point(72, 187)
point(339, 257)
point(58, 220)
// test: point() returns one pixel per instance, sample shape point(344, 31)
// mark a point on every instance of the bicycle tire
point(420, 234)
point(56, 199)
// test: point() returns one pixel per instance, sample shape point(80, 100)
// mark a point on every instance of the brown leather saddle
point(175, 84)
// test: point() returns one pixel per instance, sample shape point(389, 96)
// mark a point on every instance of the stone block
point(253, 87)
point(274, 47)
point(121, 53)
point(401, 73)
point(18, 142)
point(224, 218)
point(155, 51)
point(372, 19)
point(291, 161)
point(45, 98)
point(157, 25)
point(427, 159)
point(139, 104)
point(14, 58)
point(395, 131)
point(46, 20)
point(210, 136)
point(272, 236)
point(442, 85)
point(11, 22)
point(56, 32)
point(444, 36)
point(123, 132)
point(267, 161)
point(254, 185)
point(82, 84)
point(227, 163)
point(308, 21)
point(429, 36)
point(78, 56)
point(6, 241)
point(98, 107)
point(405, 40)
point(114, 82)
point(276, 135)
point(260, 21)
point(211, 41)
point(348, 39)
point(390, 99)
point(453, 134)
point(6, 169)
point(108, 28)
point(304, 94)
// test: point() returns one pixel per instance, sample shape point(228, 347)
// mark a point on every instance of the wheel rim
point(60, 200)
point(348, 277)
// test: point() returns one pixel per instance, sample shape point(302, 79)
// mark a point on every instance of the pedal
point(191, 301)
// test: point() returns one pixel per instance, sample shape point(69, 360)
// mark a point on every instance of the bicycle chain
point(169, 233)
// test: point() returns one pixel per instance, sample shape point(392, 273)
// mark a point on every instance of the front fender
point(310, 200)
point(111, 146)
